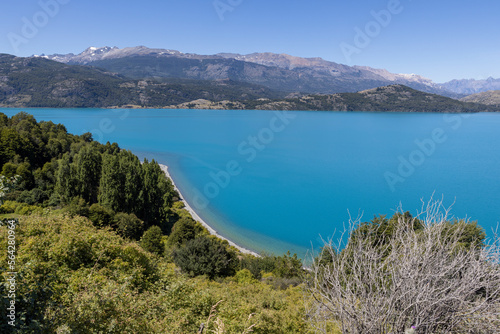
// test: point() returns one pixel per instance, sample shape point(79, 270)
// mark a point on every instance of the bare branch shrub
point(420, 280)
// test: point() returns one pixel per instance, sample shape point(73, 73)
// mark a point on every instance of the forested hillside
point(104, 245)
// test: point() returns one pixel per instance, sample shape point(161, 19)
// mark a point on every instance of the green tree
point(158, 194)
point(152, 240)
point(288, 266)
point(133, 190)
point(66, 182)
point(128, 225)
point(205, 256)
point(111, 190)
point(184, 229)
point(101, 216)
point(27, 179)
point(88, 173)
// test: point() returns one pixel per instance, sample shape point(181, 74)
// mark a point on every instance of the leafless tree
point(419, 281)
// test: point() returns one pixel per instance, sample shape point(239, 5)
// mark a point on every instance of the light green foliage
point(9, 207)
point(288, 266)
point(152, 240)
point(76, 278)
point(244, 276)
point(100, 215)
point(185, 229)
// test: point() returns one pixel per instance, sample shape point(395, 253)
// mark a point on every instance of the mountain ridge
point(39, 82)
point(280, 72)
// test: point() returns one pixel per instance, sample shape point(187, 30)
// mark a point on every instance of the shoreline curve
point(197, 217)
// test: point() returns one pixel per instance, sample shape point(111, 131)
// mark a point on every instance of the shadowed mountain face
point(392, 98)
point(38, 82)
point(275, 71)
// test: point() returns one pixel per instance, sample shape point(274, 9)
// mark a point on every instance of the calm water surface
point(273, 181)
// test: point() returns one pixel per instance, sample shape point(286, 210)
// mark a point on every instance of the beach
point(196, 217)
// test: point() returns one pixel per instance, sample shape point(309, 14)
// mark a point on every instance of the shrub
point(128, 225)
point(244, 276)
point(100, 215)
point(184, 230)
point(9, 207)
point(152, 240)
point(77, 207)
point(205, 256)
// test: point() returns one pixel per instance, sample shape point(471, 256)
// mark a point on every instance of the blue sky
point(441, 40)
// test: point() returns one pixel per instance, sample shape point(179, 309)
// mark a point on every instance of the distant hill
point(491, 97)
point(276, 71)
point(471, 86)
point(392, 98)
point(39, 82)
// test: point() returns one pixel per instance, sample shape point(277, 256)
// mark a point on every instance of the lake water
point(278, 181)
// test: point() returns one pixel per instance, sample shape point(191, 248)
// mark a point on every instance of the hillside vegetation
point(39, 82)
point(491, 97)
point(104, 245)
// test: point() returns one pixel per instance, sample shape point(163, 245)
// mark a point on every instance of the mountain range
point(279, 72)
point(39, 82)
point(141, 77)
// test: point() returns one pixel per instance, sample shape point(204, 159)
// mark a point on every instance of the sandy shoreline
point(196, 217)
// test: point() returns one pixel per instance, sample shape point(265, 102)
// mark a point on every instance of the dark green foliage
point(133, 193)
point(88, 172)
point(128, 225)
point(258, 265)
point(184, 229)
point(380, 230)
point(100, 216)
point(111, 183)
point(158, 194)
point(66, 183)
point(205, 256)
point(9, 169)
point(78, 207)
point(152, 240)
point(471, 234)
point(59, 168)
point(288, 266)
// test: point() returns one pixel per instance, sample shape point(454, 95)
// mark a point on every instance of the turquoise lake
point(278, 181)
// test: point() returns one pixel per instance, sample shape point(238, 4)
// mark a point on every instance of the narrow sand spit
point(196, 217)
